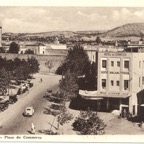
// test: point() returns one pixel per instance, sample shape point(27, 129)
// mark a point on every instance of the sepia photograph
point(71, 71)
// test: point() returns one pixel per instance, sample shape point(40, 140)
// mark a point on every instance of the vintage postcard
point(71, 71)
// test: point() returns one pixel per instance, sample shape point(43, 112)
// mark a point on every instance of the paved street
point(12, 120)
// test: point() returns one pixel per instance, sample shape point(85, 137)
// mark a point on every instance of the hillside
point(128, 30)
point(131, 30)
point(66, 34)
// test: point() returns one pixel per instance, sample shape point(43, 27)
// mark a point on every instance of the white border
point(79, 3)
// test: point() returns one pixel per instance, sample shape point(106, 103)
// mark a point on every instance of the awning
point(92, 98)
point(96, 95)
point(90, 95)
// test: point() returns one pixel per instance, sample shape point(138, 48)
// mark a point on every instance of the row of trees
point(76, 67)
point(78, 73)
point(16, 69)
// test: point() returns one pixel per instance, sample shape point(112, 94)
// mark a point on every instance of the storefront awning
point(96, 95)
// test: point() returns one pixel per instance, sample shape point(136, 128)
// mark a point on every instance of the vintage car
point(29, 111)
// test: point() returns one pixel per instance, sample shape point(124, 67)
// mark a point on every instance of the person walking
point(32, 128)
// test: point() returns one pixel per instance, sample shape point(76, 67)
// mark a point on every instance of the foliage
point(56, 106)
point(64, 116)
point(2, 62)
point(19, 73)
point(52, 112)
point(14, 48)
point(2, 50)
point(33, 62)
point(76, 61)
point(19, 69)
point(4, 80)
point(98, 40)
point(22, 71)
point(49, 64)
point(90, 77)
point(68, 86)
point(88, 123)
point(29, 51)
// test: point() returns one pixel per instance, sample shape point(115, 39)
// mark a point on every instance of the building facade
point(120, 78)
point(120, 81)
point(0, 36)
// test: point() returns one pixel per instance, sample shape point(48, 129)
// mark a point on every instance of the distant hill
point(66, 34)
point(131, 30)
point(128, 30)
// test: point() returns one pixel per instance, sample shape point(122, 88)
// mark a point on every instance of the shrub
point(88, 123)
point(51, 112)
point(56, 106)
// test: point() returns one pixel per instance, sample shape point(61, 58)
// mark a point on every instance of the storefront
point(107, 102)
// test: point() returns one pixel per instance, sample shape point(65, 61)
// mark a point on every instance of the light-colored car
point(29, 111)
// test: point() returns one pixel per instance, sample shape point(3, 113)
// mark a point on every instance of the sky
point(30, 19)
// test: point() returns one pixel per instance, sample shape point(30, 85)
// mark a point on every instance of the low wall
point(42, 59)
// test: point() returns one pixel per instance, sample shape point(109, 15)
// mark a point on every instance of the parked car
point(29, 111)
point(3, 106)
point(12, 99)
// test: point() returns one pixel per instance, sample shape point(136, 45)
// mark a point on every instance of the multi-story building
point(0, 36)
point(120, 81)
point(118, 78)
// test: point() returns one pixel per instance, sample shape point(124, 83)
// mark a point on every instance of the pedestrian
point(32, 128)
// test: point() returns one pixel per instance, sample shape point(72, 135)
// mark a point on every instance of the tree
point(9, 65)
point(49, 64)
point(90, 77)
point(88, 123)
point(14, 48)
point(19, 73)
point(4, 80)
point(17, 62)
point(98, 40)
point(2, 62)
point(34, 65)
point(26, 68)
point(76, 61)
point(64, 116)
point(29, 51)
point(69, 86)
point(2, 50)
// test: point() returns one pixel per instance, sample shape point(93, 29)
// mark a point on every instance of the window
point(139, 64)
point(126, 64)
point(103, 83)
point(104, 63)
point(112, 63)
point(126, 85)
point(118, 63)
point(139, 81)
point(117, 83)
point(112, 82)
point(143, 80)
point(133, 109)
